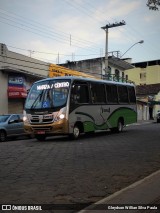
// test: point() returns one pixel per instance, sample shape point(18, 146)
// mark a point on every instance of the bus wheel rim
point(120, 127)
point(76, 131)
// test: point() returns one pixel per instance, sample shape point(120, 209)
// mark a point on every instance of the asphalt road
point(83, 171)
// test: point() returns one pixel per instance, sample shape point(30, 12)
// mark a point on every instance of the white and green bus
point(74, 105)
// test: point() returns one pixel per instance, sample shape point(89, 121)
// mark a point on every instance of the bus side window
point(123, 94)
point(79, 94)
point(98, 93)
point(132, 96)
point(112, 95)
point(73, 95)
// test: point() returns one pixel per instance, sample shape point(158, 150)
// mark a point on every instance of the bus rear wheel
point(40, 137)
point(119, 128)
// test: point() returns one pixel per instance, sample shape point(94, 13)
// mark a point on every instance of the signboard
point(56, 71)
point(16, 86)
point(17, 94)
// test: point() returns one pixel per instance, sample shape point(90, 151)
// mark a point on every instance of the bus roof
point(85, 79)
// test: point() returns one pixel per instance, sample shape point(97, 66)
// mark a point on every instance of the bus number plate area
point(40, 132)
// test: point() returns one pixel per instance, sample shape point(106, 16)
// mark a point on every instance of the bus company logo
point(40, 118)
point(6, 207)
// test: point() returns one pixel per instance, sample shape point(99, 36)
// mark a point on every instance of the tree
point(153, 4)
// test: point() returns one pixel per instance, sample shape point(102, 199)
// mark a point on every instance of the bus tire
point(119, 128)
point(3, 136)
point(120, 125)
point(76, 133)
point(40, 137)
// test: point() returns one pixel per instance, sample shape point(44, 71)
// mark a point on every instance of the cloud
point(52, 22)
point(119, 8)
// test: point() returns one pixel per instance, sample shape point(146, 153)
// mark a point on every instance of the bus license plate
point(41, 132)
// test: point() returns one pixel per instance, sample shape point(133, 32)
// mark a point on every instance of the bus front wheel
point(40, 137)
point(76, 133)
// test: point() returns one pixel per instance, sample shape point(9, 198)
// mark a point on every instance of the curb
point(122, 191)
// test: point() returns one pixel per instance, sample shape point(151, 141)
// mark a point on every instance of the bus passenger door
point(105, 112)
point(98, 99)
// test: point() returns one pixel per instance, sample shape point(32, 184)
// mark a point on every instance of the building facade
point(17, 74)
point(96, 67)
point(146, 76)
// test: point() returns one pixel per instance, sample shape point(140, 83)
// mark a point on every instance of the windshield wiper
point(38, 97)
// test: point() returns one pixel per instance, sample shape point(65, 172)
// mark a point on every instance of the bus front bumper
point(58, 127)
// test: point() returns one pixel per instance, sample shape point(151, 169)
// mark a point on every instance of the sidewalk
point(142, 122)
point(145, 121)
point(138, 196)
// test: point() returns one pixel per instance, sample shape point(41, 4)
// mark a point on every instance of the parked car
point(158, 117)
point(11, 125)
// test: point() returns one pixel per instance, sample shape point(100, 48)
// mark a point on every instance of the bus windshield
point(48, 94)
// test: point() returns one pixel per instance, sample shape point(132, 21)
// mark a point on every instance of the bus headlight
point(25, 118)
point(61, 116)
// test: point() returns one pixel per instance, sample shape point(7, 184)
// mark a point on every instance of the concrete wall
point(91, 67)
point(95, 67)
point(157, 107)
point(12, 60)
point(142, 112)
point(3, 93)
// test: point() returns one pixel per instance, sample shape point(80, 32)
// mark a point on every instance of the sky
point(57, 31)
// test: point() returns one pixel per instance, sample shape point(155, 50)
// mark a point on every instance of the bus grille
point(36, 119)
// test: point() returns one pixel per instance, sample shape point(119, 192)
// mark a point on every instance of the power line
point(66, 37)
point(60, 39)
point(134, 31)
point(84, 10)
point(50, 37)
point(50, 53)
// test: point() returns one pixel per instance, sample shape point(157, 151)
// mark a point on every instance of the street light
point(139, 42)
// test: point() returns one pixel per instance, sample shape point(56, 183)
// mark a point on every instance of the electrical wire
point(47, 28)
point(50, 53)
point(50, 37)
point(91, 9)
point(34, 24)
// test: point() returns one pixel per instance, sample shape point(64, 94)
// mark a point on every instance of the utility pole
point(106, 46)
point(58, 58)
point(31, 52)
